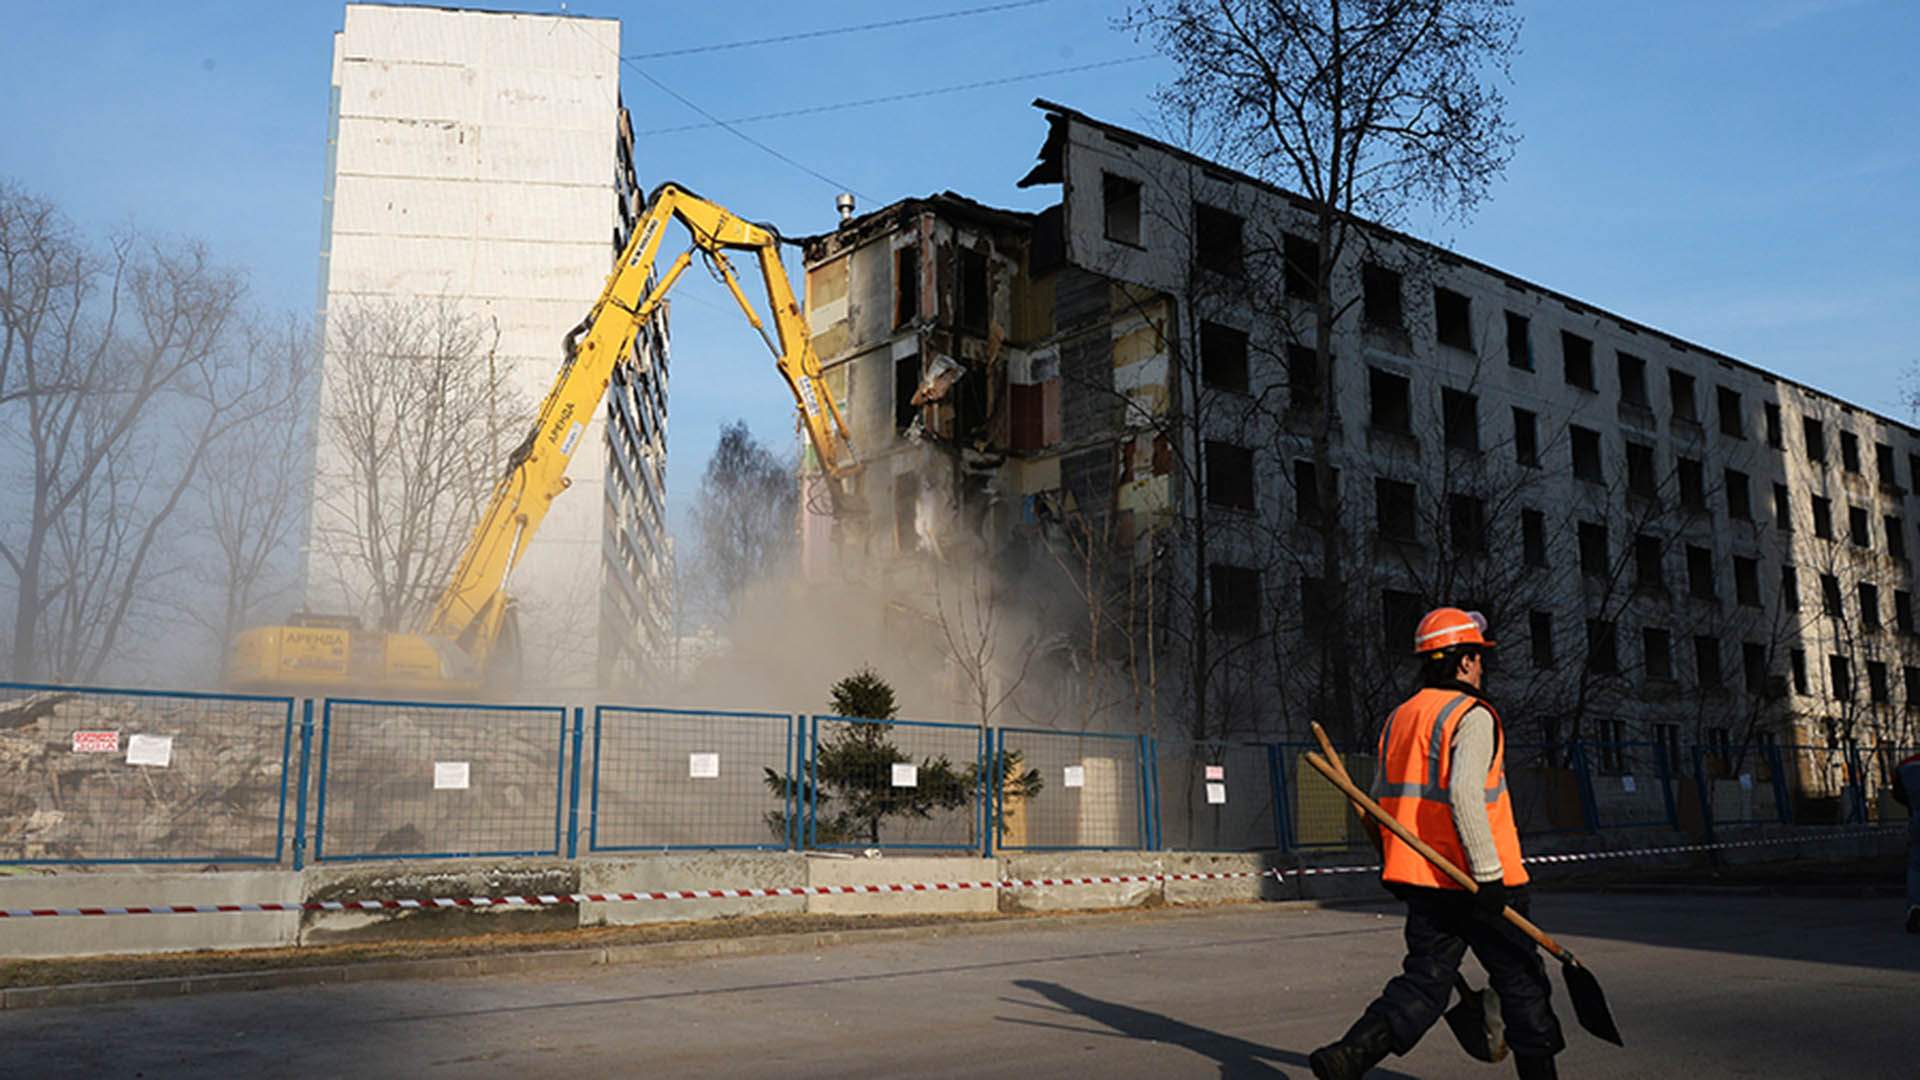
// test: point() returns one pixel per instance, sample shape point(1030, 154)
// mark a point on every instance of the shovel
point(1589, 1002)
point(1475, 1022)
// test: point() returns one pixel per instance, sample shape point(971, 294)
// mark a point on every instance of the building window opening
point(1391, 397)
point(1122, 199)
point(1301, 279)
point(1519, 342)
point(1380, 297)
point(1223, 357)
point(1218, 244)
point(906, 286)
point(1453, 319)
point(1576, 360)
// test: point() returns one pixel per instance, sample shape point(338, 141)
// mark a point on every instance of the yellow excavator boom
point(473, 612)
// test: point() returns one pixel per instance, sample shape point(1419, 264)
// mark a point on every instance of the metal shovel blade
point(1476, 1022)
point(1589, 1003)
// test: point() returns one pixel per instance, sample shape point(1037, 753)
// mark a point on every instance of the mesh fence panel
point(97, 775)
point(1631, 783)
point(893, 783)
point(424, 780)
point(1317, 813)
point(1882, 766)
point(1544, 784)
point(1820, 785)
point(1213, 797)
point(1069, 790)
point(674, 778)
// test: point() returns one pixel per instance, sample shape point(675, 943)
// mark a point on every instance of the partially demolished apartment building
point(1672, 545)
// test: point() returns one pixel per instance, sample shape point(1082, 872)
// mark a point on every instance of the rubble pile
point(61, 797)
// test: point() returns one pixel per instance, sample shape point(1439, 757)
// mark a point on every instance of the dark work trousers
point(1441, 927)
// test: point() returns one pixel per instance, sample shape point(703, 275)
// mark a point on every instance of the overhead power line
point(855, 29)
point(715, 121)
point(741, 135)
point(910, 95)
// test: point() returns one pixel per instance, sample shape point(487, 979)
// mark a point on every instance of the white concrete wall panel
point(386, 147)
point(563, 99)
point(392, 205)
point(423, 94)
point(537, 156)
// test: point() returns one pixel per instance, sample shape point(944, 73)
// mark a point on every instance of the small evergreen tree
point(866, 695)
point(851, 787)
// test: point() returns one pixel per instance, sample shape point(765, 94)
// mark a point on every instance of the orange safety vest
point(1416, 766)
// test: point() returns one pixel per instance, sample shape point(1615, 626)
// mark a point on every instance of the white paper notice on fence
point(1216, 794)
point(1746, 781)
point(96, 742)
point(155, 750)
point(450, 775)
point(1076, 776)
point(905, 775)
point(1628, 785)
point(703, 766)
point(1216, 772)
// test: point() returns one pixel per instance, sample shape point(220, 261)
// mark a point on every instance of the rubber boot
point(1535, 1068)
point(1365, 1044)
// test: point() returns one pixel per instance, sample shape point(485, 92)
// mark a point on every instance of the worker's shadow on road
point(1237, 1057)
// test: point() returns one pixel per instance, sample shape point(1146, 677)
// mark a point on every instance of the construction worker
point(1906, 788)
point(1442, 773)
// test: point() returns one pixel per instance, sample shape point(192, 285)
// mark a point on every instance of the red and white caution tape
point(561, 899)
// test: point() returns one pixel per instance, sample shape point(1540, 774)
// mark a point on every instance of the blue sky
point(1742, 174)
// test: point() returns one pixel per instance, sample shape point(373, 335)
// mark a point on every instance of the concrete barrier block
point(891, 870)
point(429, 880)
point(83, 936)
point(1081, 864)
point(711, 870)
point(1228, 890)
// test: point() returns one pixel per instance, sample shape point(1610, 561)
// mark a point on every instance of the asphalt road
point(1702, 986)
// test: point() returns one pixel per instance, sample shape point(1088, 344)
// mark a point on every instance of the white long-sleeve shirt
point(1473, 739)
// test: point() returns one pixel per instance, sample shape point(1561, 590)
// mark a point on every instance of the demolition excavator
point(470, 643)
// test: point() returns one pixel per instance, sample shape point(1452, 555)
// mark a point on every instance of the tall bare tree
point(119, 370)
point(1366, 107)
point(418, 415)
point(744, 521)
point(252, 494)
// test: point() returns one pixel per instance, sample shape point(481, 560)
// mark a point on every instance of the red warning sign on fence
point(96, 742)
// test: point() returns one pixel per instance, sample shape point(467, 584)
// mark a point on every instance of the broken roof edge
point(949, 204)
point(1055, 146)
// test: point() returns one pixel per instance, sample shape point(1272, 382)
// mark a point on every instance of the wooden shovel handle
point(1338, 778)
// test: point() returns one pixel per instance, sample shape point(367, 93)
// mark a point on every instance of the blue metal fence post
point(813, 781)
point(1782, 802)
point(320, 783)
point(1706, 792)
point(790, 798)
point(300, 793)
point(1276, 788)
point(1589, 806)
point(1153, 792)
point(1666, 783)
point(573, 798)
point(1143, 813)
point(993, 776)
point(1857, 783)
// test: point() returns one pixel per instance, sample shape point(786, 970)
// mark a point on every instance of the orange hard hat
point(1447, 627)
